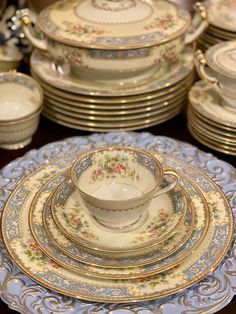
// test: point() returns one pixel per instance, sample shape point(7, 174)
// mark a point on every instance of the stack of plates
point(94, 106)
point(221, 16)
point(209, 122)
point(49, 234)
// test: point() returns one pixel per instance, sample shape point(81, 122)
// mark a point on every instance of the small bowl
point(10, 58)
point(21, 100)
point(117, 184)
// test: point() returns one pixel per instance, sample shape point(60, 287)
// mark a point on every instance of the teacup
point(221, 71)
point(117, 184)
point(21, 102)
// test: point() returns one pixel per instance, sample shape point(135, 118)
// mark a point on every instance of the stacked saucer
point(209, 122)
point(221, 17)
point(50, 234)
point(95, 106)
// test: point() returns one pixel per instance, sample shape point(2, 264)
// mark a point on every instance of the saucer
point(42, 66)
point(206, 101)
point(167, 213)
point(26, 254)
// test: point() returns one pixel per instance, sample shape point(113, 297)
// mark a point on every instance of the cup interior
point(117, 174)
point(19, 96)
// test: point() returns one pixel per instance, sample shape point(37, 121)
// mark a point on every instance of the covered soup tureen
point(113, 39)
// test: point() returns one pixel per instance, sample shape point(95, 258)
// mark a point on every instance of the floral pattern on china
point(150, 22)
point(113, 166)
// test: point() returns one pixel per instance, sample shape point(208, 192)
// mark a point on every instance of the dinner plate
point(166, 213)
point(98, 102)
point(24, 251)
point(123, 108)
point(116, 118)
point(42, 65)
point(147, 123)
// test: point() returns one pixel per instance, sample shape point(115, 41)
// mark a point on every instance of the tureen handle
point(36, 42)
point(201, 63)
point(191, 37)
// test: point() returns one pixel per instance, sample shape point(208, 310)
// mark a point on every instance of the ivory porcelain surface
point(23, 249)
point(221, 13)
point(42, 67)
point(161, 254)
point(10, 58)
point(20, 107)
point(166, 214)
point(114, 41)
point(117, 184)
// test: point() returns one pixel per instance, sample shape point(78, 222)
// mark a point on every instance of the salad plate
point(210, 295)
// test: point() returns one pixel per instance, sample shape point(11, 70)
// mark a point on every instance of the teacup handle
point(201, 63)
point(170, 186)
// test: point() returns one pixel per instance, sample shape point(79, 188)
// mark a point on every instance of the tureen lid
point(222, 58)
point(222, 13)
point(113, 24)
